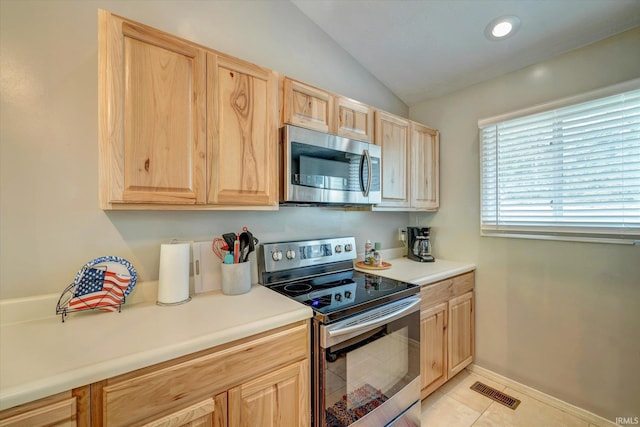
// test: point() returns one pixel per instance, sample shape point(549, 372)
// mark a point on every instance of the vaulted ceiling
point(422, 49)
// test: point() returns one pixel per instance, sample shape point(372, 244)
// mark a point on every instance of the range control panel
point(304, 253)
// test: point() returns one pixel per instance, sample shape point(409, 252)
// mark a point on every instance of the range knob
point(291, 254)
point(276, 255)
point(348, 247)
point(338, 248)
point(338, 297)
point(347, 294)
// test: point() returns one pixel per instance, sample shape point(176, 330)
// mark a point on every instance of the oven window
point(364, 372)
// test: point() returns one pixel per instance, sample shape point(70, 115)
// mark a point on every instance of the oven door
point(367, 367)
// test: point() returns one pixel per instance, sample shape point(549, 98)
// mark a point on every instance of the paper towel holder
point(173, 282)
point(168, 304)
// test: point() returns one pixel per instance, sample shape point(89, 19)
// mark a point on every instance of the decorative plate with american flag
point(113, 265)
point(102, 284)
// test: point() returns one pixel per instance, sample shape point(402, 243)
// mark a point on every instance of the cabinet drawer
point(144, 394)
point(58, 410)
point(445, 290)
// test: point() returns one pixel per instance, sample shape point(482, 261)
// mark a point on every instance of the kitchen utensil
point(247, 244)
point(236, 249)
point(244, 246)
point(229, 238)
point(218, 246)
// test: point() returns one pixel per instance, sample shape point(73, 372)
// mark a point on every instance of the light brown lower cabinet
point(272, 400)
point(262, 380)
point(446, 329)
point(67, 409)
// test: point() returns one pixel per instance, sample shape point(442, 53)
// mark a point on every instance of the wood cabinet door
point(280, 398)
point(307, 106)
point(425, 158)
point(353, 119)
point(242, 133)
point(151, 115)
point(433, 355)
point(59, 410)
point(460, 333)
point(197, 415)
point(392, 134)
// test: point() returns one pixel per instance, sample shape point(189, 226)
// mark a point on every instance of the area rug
point(354, 406)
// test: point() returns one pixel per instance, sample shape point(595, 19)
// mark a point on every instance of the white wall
point(50, 224)
point(558, 316)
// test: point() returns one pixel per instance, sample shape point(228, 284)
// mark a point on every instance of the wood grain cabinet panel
point(410, 164)
point(67, 409)
point(181, 125)
point(461, 333)
point(194, 390)
point(197, 415)
point(307, 106)
point(353, 119)
point(433, 357)
point(392, 135)
point(280, 398)
point(446, 330)
point(318, 109)
point(242, 129)
point(152, 115)
point(425, 167)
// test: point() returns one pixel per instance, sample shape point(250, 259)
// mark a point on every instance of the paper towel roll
point(173, 282)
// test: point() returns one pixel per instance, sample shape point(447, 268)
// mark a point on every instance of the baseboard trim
point(543, 397)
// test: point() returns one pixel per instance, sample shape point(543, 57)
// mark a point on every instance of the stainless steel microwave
point(322, 169)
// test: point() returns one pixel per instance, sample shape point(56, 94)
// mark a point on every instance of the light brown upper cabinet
point(307, 106)
point(242, 132)
point(410, 163)
point(313, 108)
point(392, 134)
point(425, 167)
point(181, 125)
point(353, 119)
point(151, 115)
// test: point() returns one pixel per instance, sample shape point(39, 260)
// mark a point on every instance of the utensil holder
point(236, 278)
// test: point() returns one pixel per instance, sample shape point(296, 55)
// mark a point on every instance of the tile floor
point(456, 405)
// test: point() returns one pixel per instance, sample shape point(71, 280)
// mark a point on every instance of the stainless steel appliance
point(365, 343)
point(419, 245)
point(323, 169)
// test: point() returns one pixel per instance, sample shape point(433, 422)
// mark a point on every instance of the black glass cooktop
point(337, 295)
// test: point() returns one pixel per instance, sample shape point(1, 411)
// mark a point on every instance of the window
point(571, 172)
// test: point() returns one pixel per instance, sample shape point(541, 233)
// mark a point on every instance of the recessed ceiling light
point(502, 28)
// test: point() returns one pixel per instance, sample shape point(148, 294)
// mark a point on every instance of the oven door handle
point(369, 324)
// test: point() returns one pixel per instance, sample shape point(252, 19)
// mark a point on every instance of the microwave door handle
point(367, 157)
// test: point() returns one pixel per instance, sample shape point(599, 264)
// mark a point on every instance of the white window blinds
point(572, 171)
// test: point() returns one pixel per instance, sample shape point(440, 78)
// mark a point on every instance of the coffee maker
point(419, 244)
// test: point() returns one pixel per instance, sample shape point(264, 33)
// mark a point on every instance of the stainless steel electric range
point(365, 343)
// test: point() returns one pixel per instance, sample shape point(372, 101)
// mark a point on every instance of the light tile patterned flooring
point(456, 405)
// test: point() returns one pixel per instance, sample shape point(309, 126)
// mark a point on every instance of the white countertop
point(421, 273)
point(42, 357)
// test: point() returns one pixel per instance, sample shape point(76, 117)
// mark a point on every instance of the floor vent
point(492, 393)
